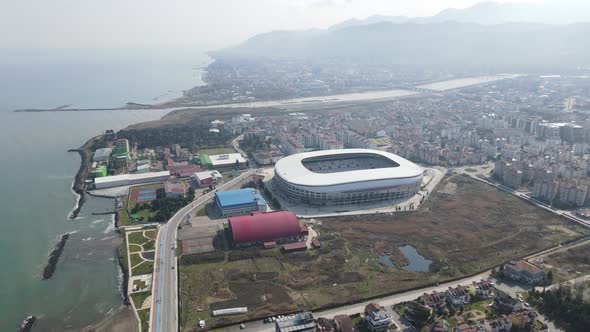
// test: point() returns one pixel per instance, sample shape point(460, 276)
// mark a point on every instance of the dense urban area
point(491, 235)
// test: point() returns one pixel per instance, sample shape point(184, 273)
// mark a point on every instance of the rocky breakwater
point(27, 324)
point(54, 256)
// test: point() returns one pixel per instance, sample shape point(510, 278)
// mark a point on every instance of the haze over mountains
point(488, 36)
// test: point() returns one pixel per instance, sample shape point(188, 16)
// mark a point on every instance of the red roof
point(295, 246)
point(264, 226)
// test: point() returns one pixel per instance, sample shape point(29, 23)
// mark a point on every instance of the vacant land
point(474, 228)
point(568, 264)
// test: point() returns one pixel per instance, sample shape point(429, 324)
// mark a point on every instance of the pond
point(386, 260)
point(417, 262)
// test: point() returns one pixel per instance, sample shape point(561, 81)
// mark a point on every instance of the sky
point(170, 23)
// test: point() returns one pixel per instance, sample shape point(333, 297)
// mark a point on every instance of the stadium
point(346, 177)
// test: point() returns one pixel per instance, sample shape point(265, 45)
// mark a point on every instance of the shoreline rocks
point(27, 324)
point(49, 269)
point(79, 187)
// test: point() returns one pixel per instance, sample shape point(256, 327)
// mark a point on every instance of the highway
point(164, 306)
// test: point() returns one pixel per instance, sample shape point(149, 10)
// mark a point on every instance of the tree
point(549, 277)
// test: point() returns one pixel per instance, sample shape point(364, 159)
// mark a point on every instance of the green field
point(139, 298)
point(144, 317)
point(144, 268)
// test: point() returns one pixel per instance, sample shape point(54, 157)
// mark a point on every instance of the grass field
point(474, 228)
point(139, 298)
point(144, 317)
point(137, 238)
point(143, 268)
point(135, 259)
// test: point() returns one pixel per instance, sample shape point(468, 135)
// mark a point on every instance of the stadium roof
point(264, 226)
point(239, 197)
point(292, 169)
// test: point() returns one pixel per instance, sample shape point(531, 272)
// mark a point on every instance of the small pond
point(417, 262)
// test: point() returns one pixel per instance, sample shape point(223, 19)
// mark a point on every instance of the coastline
point(79, 186)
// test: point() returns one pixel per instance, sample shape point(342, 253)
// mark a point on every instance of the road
point(164, 306)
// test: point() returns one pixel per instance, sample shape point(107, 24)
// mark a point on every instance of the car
point(172, 267)
point(242, 326)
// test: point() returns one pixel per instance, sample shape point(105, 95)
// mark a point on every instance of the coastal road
point(164, 306)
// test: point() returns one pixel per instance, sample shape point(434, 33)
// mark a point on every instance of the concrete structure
point(301, 322)
point(102, 155)
point(100, 171)
point(522, 270)
point(239, 202)
point(175, 189)
point(349, 176)
point(377, 318)
point(220, 161)
point(259, 227)
point(207, 178)
point(130, 179)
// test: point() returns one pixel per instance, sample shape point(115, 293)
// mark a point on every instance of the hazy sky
point(213, 23)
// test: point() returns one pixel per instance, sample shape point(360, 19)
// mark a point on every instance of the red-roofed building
point(295, 246)
point(524, 271)
point(257, 228)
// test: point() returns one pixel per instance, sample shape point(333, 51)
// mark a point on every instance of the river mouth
point(416, 262)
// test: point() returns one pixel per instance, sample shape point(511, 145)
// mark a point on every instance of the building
point(175, 189)
point(506, 303)
point(377, 318)
point(130, 179)
point(184, 170)
point(522, 270)
point(500, 324)
point(470, 328)
point(102, 155)
point(458, 296)
point(345, 177)
point(223, 161)
point(301, 322)
point(259, 227)
point(343, 323)
point(484, 289)
point(100, 171)
point(207, 178)
point(239, 202)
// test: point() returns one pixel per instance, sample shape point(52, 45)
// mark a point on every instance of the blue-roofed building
point(239, 202)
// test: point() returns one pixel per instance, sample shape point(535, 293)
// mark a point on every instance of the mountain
point(489, 13)
point(509, 47)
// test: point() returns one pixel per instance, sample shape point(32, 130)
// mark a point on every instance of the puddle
point(417, 262)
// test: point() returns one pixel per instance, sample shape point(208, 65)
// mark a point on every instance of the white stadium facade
point(346, 177)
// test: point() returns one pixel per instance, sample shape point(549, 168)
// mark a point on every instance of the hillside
point(504, 47)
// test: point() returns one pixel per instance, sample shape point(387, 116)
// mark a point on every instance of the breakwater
point(27, 324)
point(49, 269)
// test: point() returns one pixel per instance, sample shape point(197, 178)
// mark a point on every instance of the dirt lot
point(567, 264)
point(473, 228)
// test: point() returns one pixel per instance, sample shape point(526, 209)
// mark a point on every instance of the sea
point(37, 173)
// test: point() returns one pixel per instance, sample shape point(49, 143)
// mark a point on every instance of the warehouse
point(223, 161)
point(102, 155)
point(347, 177)
point(130, 179)
point(239, 202)
point(207, 178)
point(260, 227)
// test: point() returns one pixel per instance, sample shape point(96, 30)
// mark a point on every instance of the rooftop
point(239, 197)
point(522, 265)
point(292, 168)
